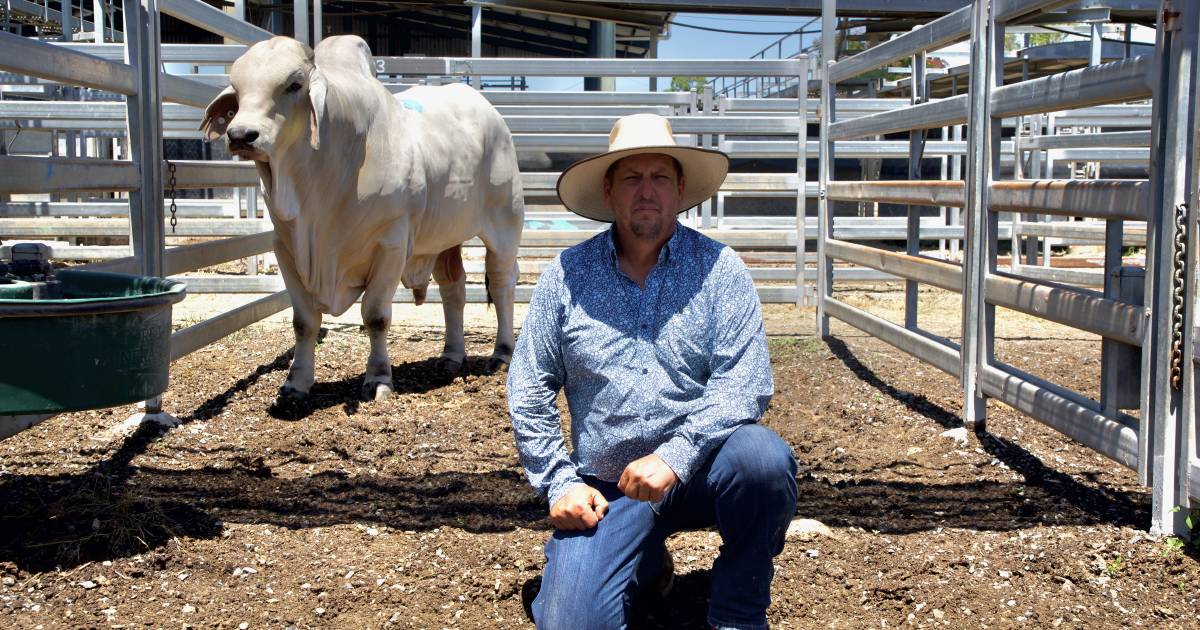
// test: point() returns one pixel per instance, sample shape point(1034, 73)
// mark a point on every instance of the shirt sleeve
point(535, 377)
point(740, 384)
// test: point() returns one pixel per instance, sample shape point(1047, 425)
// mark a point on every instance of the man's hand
point(647, 479)
point(580, 508)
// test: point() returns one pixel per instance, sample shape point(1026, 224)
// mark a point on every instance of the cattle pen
point(1005, 161)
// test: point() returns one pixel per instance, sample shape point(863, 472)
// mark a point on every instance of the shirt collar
point(665, 255)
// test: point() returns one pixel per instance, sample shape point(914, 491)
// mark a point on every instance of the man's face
point(644, 194)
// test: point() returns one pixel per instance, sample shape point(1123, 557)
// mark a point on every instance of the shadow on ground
point(1046, 496)
point(116, 509)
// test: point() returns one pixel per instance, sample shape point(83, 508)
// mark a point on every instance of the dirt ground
point(414, 513)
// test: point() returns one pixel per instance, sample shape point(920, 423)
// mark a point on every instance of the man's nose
point(645, 187)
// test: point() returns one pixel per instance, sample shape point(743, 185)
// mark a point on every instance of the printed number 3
point(379, 67)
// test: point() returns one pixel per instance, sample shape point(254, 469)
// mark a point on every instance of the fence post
point(1167, 370)
point(824, 207)
point(476, 41)
point(975, 340)
point(802, 294)
point(144, 112)
point(916, 149)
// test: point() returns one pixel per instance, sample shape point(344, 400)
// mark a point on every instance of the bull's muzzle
point(241, 139)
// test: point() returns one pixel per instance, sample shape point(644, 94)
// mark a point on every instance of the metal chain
point(171, 190)
point(1178, 286)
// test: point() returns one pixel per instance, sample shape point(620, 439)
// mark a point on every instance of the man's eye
point(294, 87)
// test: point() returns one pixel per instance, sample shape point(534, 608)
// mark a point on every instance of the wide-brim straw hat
point(581, 185)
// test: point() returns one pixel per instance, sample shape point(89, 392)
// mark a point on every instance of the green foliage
point(687, 84)
point(1114, 566)
point(1013, 41)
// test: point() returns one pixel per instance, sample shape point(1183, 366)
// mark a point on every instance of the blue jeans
point(747, 488)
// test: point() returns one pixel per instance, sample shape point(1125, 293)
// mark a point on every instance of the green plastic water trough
point(104, 342)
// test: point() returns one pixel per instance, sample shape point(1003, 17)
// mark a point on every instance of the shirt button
point(645, 370)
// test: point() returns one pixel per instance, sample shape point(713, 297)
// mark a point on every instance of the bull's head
point(275, 94)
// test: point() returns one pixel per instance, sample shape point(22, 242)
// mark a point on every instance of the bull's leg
point(501, 269)
point(377, 318)
point(452, 284)
point(306, 321)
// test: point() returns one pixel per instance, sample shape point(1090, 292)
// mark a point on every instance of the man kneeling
point(656, 333)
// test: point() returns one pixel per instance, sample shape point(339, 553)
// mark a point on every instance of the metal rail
point(1162, 447)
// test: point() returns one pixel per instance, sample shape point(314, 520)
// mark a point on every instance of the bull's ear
point(219, 114)
point(316, 112)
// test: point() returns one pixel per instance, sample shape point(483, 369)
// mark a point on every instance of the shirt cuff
point(680, 455)
point(561, 489)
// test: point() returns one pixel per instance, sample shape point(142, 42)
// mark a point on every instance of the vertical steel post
point(916, 149)
point(825, 159)
point(1014, 231)
point(64, 18)
point(98, 21)
point(1111, 351)
point(653, 54)
point(1168, 383)
point(943, 173)
point(979, 153)
point(707, 107)
point(802, 293)
point(1035, 164)
point(476, 41)
point(144, 119)
point(956, 174)
point(300, 20)
point(318, 30)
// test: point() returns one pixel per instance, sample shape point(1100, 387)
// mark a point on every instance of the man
point(656, 333)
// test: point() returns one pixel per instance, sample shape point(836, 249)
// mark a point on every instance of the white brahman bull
point(367, 190)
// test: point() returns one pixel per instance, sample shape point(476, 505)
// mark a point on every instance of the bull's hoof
point(290, 395)
point(496, 364)
point(448, 367)
point(376, 391)
point(290, 404)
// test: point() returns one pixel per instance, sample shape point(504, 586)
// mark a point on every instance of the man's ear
point(219, 114)
point(316, 112)
point(682, 185)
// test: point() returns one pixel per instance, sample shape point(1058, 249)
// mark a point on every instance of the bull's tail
point(487, 288)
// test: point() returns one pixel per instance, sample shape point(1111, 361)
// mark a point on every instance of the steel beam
point(197, 336)
point(1087, 141)
point(924, 270)
point(947, 111)
point(20, 175)
point(196, 54)
point(1113, 82)
point(1065, 411)
point(47, 61)
point(214, 174)
point(920, 192)
point(939, 355)
point(548, 67)
point(941, 32)
point(1101, 199)
point(214, 20)
point(177, 89)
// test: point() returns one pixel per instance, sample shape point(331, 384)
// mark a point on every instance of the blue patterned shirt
point(671, 369)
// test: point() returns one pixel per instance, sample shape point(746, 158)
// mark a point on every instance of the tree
point(687, 84)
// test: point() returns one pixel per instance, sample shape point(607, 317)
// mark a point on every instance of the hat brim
point(581, 187)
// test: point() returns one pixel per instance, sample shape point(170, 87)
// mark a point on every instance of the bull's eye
point(294, 87)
